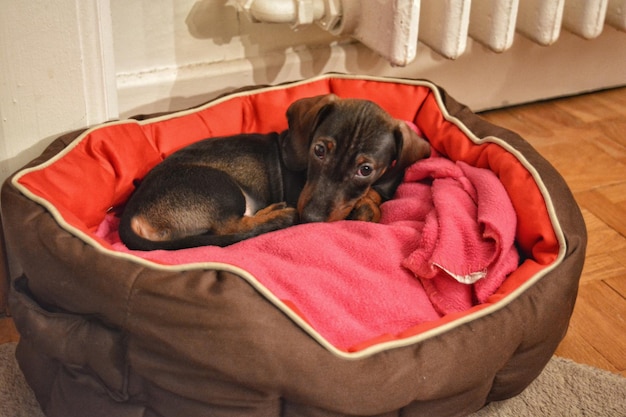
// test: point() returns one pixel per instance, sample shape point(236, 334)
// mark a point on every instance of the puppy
point(339, 159)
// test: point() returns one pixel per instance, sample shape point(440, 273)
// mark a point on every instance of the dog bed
point(425, 313)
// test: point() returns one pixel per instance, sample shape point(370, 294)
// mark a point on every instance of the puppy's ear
point(410, 148)
point(303, 116)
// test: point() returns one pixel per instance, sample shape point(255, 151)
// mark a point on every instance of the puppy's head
point(346, 146)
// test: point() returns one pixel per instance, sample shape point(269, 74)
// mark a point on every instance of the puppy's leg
point(177, 201)
point(367, 208)
point(186, 206)
point(273, 217)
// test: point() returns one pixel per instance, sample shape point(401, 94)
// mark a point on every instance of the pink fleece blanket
point(467, 243)
point(445, 243)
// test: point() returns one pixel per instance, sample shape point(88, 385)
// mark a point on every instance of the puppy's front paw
point(279, 215)
point(367, 208)
point(273, 207)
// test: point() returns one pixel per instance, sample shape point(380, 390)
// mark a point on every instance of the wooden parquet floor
point(584, 137)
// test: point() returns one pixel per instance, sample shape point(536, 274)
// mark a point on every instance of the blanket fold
point(466, 248)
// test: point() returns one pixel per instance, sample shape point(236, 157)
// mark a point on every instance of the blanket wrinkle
point(466, 248)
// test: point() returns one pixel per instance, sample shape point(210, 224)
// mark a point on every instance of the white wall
point(172, 54)
point(68, 64)
point(56, 73)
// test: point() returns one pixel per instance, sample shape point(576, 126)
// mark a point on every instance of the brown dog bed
point(314, 320)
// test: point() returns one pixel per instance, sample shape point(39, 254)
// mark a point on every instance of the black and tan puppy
point(339, 159)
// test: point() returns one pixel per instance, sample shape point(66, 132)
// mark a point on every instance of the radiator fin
point(446, 25)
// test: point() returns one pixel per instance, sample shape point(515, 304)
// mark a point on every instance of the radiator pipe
point(326, 13)
point(397, 43)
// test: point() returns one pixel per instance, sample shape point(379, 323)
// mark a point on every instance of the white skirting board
point(480, 78)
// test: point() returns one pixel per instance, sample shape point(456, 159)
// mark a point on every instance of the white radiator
point(393, 28)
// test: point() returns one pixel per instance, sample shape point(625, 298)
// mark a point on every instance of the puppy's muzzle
point(324, 208)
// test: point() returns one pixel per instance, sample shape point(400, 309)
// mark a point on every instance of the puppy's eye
point(319, 150)
point(364, 170)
